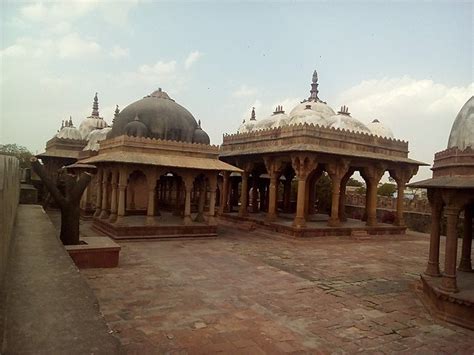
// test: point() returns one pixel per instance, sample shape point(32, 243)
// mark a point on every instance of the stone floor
point(254, 293)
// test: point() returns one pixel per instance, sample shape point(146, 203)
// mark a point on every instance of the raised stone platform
point(95, 253)
point(162, 227)
point(457, 308)
point(316, 226)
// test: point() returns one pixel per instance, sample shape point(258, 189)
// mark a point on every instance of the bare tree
point(68, 200)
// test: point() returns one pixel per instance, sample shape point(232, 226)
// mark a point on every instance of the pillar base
point(399, 223)
point(150, 220)
point(448, 284)
point(187, 220)
point(211, 220)
point(299, 222)
point(199, 218)
point(97, 213)
point(104, 214)
point(243, 213)
point(271, 217)
point(465, 265)
point(371, 222)
point(334, 222)
point(433, 270)
point(112, 217)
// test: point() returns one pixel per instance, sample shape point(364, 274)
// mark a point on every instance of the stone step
point(360, 234)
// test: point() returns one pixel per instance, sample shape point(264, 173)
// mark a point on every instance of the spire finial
point(314, 88)
point(117, 111)
point(252, 116)
point(199, 124)
point(70, 122)
point(95, 106)
point(62, 124)
point(344, 110)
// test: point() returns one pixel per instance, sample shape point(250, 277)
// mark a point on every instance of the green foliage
point(22, 153)
point(387, 189)
point(323, 189)
point(354, 182)
point(361, 190)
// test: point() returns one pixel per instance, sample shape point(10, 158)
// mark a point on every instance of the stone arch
point(137, 192)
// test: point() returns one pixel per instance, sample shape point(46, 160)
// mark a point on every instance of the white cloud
point(53, 12)
point(244, 91)
point(192, 58)
point(67, 46)
point(160, 68)
point(72, 45)
point(119, 52)
point(420, 111)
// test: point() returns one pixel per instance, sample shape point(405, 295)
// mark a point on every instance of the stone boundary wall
point(9, 199)
point(420, 205)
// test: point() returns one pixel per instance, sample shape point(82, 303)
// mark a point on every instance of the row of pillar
point(307, 171)
point(452, 202)
point(114, 181)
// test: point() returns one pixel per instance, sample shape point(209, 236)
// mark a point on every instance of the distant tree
point(67, 200)
point(323, 189)
point(21, 152)
point(387, 189)
point(354, 182)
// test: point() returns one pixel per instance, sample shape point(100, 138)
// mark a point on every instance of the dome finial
point(252, 116)
point(70, 122)
point(62, 124)
point(314, 88)
point(199, 124)
point(95, 106)
point(344, 110)
point(117, 111)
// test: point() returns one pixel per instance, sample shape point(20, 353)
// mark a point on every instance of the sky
point(408, 64)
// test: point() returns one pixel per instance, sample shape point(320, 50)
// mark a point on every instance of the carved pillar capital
point(303, 165)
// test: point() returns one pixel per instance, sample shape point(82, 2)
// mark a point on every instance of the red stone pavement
point(251, 292)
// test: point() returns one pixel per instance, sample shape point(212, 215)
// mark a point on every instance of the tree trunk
point(70, 224)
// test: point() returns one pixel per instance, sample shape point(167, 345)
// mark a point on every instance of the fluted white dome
point(316, 113)
point(90, 124)
point(95, 137)
point(377, 128)
point(344, 120)
point(279, 119)
point(462, 132)
point(69, 132)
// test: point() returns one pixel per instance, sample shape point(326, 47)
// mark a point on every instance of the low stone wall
point(9, 197)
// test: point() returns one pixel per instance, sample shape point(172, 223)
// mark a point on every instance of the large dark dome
point(164, 118)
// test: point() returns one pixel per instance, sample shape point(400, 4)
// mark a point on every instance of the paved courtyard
point(251, 292)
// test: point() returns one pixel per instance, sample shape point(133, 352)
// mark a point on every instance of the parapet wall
point(9, 199)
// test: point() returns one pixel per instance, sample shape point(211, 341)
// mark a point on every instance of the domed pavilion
point(450, 294)
point(287, 152)
point(157, 173)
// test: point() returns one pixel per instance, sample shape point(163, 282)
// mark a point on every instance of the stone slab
point(98, 252)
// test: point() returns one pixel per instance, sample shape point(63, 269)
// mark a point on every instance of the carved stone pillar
point(465, 264)
point(342, 195)
point(274, 167)
point(336, 172)
point(244, 194)
point(311, 195)
point(287, 193)
point(113, 198)
point(98, 201)
point(151, 176)
point(303, 165)
point(402, 176)
point(254, 192)
point(201, 200)
point(448, 282)
point(212, 198)
point(188, 186)
point(372, 176)
point(436, 203)
point(224, 205)
point(122, 187)
point(104, 208)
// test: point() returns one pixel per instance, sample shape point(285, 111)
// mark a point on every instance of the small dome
point(94, 121)
point(343, 120)
point(136, 128)
point(249, 125)
point(95, 137)
point(68, 131)
point(280, 119)
point(462, 132)
point(320, 108)
point(200, 136)
point(379, 129)
point(312, 114)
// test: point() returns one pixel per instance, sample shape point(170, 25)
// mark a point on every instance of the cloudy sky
point(409, 64)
